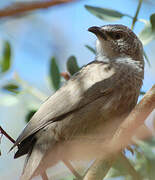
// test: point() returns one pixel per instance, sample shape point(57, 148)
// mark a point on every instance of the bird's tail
point(31, 164)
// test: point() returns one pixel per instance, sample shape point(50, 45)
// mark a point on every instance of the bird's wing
point(90, 83)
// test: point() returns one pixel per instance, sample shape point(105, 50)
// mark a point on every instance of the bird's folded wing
point(90, 83)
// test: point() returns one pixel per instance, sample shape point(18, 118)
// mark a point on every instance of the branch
point(136, 14)
point(123, 136)
point(71, 168)
point(100, 168)
point(44, 176)
point(19, 8)
point(6, 135)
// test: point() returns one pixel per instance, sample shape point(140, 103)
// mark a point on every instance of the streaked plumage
point(100, 92)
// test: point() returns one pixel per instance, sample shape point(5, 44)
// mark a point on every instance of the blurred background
point(60, 32)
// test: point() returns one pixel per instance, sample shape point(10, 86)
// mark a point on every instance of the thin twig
point(136, 14)
point(30, 89)
point(71, 168)
point(6, 135)
point(147, 60)
point(44, 176)
point(99, 168)
point(19, 8)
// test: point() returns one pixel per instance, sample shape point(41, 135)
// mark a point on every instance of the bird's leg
point(44, 176)
point(71, 168)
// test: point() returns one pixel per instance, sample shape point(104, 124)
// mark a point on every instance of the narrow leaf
point(11, 88)
point(6, 60)
point(54, 74)
point(29, 115)
point(146, 58)
point(147, 35)
point(142, 93)
point(72, 65)
point(152, 20)
point(104, 13)
point(90, 49)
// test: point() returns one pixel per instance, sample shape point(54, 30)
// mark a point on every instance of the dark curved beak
point(98, 32)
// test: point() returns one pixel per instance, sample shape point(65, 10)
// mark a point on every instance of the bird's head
point(117, 41)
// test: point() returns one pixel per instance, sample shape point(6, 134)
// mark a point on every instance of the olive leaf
point(105, 13)
point(5, 62)
point(90, 49)
point(152, 20)
point(14, 88)
point(147, 34)
point(72, 65)
point(54, 74)
point(29, 115)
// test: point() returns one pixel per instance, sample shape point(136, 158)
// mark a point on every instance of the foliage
point(14, 88)
point(105, 14)
point(54, 74)
point(141, 165)
point(72, 65)
point(5, 62)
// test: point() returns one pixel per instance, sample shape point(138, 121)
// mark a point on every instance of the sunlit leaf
point(29, 115)
point(72, 65)
point(6, 58)
point(148, 150)
point(9, 100)
point(90, 49)
point(140, 162)
point(152, 20)
point(54, 74)
point(142, 92)
point(123, 167)
point(146, 58)
point(147, 35)
point(11, 88)
point(105, 14)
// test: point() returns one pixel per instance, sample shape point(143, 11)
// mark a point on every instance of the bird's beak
point(98, 31)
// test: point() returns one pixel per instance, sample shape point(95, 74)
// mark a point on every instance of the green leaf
point(123, 167)
point(146, 58)
point(6, 59)
point(72, 65)
point(54, 74)
point(147, 148)
point(90, 49)
point(11, 88)
point(9, 100)
point(105, 14)
point(152, 20)
point(29, 115)
point(142, 93)
point(147, 35)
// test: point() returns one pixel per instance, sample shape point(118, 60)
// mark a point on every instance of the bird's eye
point(117, 36)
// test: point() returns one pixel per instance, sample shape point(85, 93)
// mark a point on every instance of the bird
point(102, 91)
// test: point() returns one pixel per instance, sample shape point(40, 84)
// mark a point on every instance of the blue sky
point(60, 31)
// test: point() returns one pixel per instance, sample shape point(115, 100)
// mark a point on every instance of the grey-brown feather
point(80, 86)
point(100, 92)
